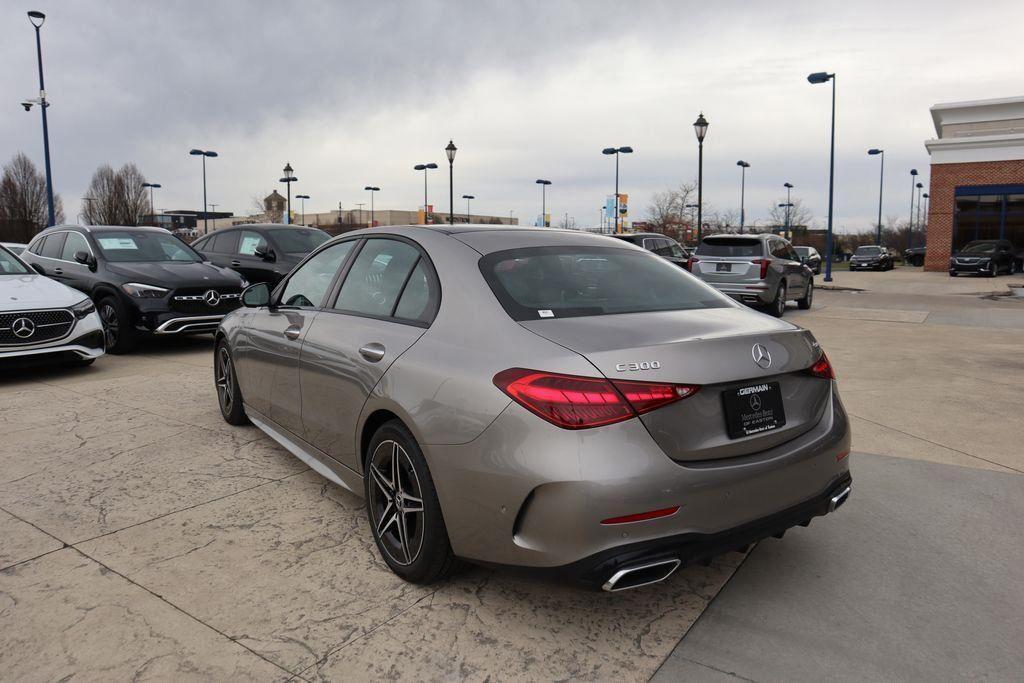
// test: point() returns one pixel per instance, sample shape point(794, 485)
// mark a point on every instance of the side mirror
point(38, 268)
point(256, 295)
point(86, 259)
point(266, 254)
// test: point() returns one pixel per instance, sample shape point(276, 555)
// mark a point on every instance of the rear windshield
point(298, 240)
point(730, 247)
point(867, 251)
point(569, 282)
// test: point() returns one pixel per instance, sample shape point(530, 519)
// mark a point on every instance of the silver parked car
point(761, 270)
point(540, 398)
point(44, 319)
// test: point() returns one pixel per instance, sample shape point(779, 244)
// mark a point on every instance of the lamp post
point(617, 151)
point(288, 179)
point(204, 154)
point(918, 221)
point(925, 195)
point(359, 206)
point(910, 231)
point(152, 206)
point(450, 153)
point(88, 202)
point(371, 189)
point(424, 168)
point(303, 198)
point(881, 176)
point(700, 127)
point(693, 206)
point(543, 200)
point(468, 198)
point(789, 205)
point(816, 78)
point(37, 18)
point(743, 189)
point(510, 219)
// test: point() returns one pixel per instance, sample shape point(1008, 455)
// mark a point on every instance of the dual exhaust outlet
point(654, 572)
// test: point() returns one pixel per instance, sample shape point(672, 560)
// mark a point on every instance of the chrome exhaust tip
point(838, 499)
point(641, 575)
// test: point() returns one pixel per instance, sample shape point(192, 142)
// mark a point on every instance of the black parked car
point(871, 257)
point(985, 257)
point(261, 253)
point(143, 280)
point(914, 256)
point(663, 246)
point(810, 258)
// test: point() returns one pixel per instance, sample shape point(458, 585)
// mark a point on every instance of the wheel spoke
point(390, 515)
point(411, 504)
point(382, 483)
point(403, 536)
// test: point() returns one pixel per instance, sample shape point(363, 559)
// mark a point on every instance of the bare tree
point(799, 215)
point(667, 209)
point(117, 197)
point(23, 196)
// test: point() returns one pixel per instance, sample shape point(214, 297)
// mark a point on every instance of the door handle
point(58, 271)
point(293, 332)
point(235, 264)
point(372, 352)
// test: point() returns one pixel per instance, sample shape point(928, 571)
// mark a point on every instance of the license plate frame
point(723, 267)
point(753, 409)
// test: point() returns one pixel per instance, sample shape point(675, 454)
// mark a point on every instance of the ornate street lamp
point(700, 128)
point(288, 179)
point(450, 153)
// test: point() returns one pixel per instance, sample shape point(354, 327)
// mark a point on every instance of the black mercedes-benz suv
point(143, 280)
point(261, 253)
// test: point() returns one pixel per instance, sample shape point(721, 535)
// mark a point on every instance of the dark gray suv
point(763, 271)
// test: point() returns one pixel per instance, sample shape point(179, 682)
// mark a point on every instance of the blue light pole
point(617, 151)
point(815, 78)
point(910, 232)
point(37, 19)
point(881, 176)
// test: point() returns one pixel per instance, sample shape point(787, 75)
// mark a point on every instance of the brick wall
point(945, 178)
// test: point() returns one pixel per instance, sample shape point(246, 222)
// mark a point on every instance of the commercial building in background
point(977, 176)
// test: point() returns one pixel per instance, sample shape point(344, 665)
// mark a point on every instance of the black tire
point(225, 380)
point(778, 305)
point(805, 303)
point(953, 273)
point(414, 543)
point(993, 270)
point(119, 334)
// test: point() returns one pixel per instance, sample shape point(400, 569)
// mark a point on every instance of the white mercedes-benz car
point(42, 317)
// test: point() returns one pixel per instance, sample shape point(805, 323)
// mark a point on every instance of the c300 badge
point(642, 365)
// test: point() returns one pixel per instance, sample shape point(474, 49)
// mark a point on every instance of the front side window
point(308, 285)
point(10, 265)
point(139, 246)
point(72, 245)
point(730, 246)
point(564, 282)
point(378, 274)
point(250, 242)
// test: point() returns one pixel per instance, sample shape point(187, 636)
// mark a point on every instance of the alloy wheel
point(111, 326)
point(396, 503)
point(225, 381)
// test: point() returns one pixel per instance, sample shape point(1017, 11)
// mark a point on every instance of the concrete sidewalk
point(919, 577)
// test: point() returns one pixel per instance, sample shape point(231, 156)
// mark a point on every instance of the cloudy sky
point(356, 93)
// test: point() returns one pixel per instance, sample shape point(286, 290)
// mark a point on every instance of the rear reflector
point(841, 455)
point(822, 368)
point(641, 516)
point(574, 402)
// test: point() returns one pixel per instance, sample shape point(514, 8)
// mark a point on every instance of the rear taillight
point(822, 368)
point(574, 402)
point(690, 261)
point(763, 262)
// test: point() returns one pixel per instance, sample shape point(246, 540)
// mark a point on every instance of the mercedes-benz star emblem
point(761, 356)
point(212, 297)
point(23, 328)
point(755, 402)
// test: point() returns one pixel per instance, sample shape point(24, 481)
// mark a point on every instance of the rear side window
point(377, 276)
point(53, 246)
point(730, 246)
point(224, 243)
point(565, 282)
point(419, 298)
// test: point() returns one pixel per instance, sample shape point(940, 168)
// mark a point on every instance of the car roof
point(101, 228)
point(749, 236)
point(265, 226)
point(489, 238)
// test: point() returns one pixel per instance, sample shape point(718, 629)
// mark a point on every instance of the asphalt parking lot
point(145, 538)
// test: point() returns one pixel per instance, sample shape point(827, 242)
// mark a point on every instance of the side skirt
point(322, 464)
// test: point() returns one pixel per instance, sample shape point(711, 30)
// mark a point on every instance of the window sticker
point(545, 313)
point(117, 243)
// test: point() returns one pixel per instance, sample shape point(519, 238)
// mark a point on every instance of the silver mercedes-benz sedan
point(538, 398)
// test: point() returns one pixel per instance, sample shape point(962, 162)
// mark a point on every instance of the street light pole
point(743, 191)
point(424, 168)
point(152, 206)
point(881, 177)
point(918, 222)
point(288, 179)
point(925, 195)
point(789, 206)
point(910, 232)
point(468, 198)
point(303, 197)
point(204, 154)
point(617, 151)
point(371, 189)
point(543, 201)
point(815, 78)
point(450, 152)
point(37, 19)
point(700, 127)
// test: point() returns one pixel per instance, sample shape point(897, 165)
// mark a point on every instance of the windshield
point(979, 248)
point(143, 246)
point(298, 240)
point(730, 246)
point(573, 281)
point(867, 251)
point(10, 265)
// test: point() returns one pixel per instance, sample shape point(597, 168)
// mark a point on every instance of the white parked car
point(42, 317)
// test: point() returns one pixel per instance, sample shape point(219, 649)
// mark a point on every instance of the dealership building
point(977, 176)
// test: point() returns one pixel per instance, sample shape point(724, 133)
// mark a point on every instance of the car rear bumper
point(756, 292)
point(526, 493)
